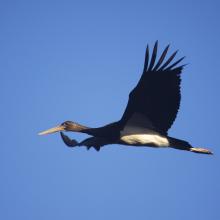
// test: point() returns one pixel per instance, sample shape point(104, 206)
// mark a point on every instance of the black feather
point(153, 58)
point(157, 94)
point(168, 61)
point(174, 64)
point(146, 59)
point(161, 58)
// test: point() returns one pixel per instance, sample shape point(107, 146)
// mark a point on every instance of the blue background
point(78, 60)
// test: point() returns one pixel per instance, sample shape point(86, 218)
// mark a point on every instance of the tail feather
point(200, 150)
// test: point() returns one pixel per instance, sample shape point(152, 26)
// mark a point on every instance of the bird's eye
point(66, 123)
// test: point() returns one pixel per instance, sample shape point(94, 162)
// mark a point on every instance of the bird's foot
point(88, 143)
point(200, 150)
point(69, 142)
point(97, 148)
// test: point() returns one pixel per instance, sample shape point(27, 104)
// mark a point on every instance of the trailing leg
point(95, 142)
point(184, 145)
point(69, 142)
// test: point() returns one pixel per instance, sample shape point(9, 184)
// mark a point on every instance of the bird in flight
point(151, 110)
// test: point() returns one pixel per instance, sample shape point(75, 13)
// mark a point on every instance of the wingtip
point(164, 66)
point(161, 59)
point(154, 55)
point(150, 64)
point(147, 48)
point(156, 44)
point(167, 47)
point(174, 64)
point(174, 54)
point(146, 58)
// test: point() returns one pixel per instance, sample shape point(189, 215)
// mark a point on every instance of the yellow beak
point(52, 130)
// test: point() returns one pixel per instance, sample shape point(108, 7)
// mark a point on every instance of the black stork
point(151, 110)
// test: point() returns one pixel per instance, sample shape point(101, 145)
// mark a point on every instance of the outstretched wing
point(155, 101)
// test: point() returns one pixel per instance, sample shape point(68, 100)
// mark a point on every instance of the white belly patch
point(145, 139)
point(143, 136)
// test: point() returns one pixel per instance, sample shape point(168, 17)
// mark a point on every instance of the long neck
point(75, 127)
point(110, 131)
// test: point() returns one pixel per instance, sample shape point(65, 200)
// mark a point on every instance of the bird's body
point(151, 110)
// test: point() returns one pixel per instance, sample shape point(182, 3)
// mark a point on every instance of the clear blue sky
point(78, 60)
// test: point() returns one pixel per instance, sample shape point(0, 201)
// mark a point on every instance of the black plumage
point(151, 110)
point(157, 94)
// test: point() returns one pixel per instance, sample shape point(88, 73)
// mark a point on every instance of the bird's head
point(65, 126)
